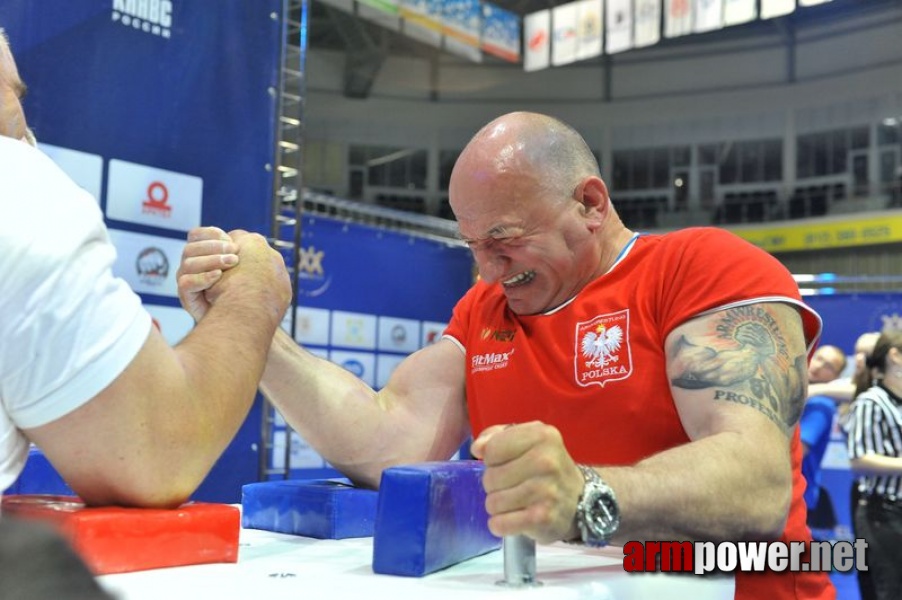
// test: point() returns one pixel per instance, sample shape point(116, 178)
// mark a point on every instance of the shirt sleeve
point(77, 326)
point(457, 328)
point(710, 269)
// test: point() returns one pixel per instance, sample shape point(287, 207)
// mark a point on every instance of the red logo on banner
point(602, 351)
point(539, 39)
point(157, 202)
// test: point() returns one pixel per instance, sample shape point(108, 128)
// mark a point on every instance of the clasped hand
point(205, 270)
point(532, 485)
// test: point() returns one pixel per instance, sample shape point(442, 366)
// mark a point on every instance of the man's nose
point(491, 265)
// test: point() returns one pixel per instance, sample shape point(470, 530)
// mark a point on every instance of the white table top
point(273, 566)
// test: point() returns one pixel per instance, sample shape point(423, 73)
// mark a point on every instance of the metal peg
point(519, 561)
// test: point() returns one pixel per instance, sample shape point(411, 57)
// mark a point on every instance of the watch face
point(604, 521)
point(599, 516)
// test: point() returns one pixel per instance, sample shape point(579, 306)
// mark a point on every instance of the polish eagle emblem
point(599, 345)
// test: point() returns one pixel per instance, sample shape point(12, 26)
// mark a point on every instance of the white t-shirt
point(68, 328)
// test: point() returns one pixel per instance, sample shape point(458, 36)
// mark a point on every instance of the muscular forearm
point(699, 492)
point(357, 430)
point(151, 436)
point(333, 410)
point(200, 393)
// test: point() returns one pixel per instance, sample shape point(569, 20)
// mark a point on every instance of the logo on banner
point(565, 33)
point(150, 16)
point(157, 201)
point(538, 40)
point(399, 334)
point(152, 266)
point(354, 331)
point(354, 366)
point(311, 273)
point(589, 25)
point(602, 349)
point(679, 8)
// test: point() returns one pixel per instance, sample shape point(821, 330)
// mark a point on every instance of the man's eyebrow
point(501, 230)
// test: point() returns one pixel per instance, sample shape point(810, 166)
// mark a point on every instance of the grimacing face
point(538, 249)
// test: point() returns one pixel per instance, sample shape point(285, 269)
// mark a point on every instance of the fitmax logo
point(149, 16)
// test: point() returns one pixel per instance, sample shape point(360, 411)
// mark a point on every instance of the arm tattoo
point(748, 352)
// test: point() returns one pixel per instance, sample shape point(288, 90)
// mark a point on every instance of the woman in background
point(874, 428)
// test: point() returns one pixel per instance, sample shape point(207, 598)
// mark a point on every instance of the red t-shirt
point(595, 367)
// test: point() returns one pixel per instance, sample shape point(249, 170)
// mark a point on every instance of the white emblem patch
point(602, 350)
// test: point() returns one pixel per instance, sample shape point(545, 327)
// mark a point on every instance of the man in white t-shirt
point(125, 418)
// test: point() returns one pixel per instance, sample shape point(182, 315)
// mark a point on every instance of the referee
point(874, 429)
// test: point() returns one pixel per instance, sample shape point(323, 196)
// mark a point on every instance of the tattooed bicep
point(750, 355)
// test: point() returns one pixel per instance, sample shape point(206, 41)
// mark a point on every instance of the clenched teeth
point(520, 279)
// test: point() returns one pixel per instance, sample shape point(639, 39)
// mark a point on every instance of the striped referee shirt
point(874, 426)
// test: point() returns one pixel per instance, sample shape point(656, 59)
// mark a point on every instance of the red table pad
point(121, 540)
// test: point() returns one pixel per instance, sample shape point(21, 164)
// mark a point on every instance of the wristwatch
point(597, 514)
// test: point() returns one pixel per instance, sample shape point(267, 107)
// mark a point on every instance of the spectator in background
point(815, 426)
point(874, 428)
point(842, 390)
point(827, 364)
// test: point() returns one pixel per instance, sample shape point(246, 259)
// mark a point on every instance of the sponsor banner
point(677, 18)
point(155, 197)
point(647, 17)
point(147, 262)
point(736, 12)
point(423, 20)
point(385, 366)
point(850, 231)
point(776, 8)
point(85, 169)
point(589, 28)
point(500, 33)
point(564, 20)
point(361, 364)
point(537, 35)
point(619, 22)
point(311, 326)
point(462, 26)
point(353, 330)
point(707, 15)
point(174, 323)
point(431, 333)
point(398, 335)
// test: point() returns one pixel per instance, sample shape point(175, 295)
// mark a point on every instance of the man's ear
point(592, 194)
